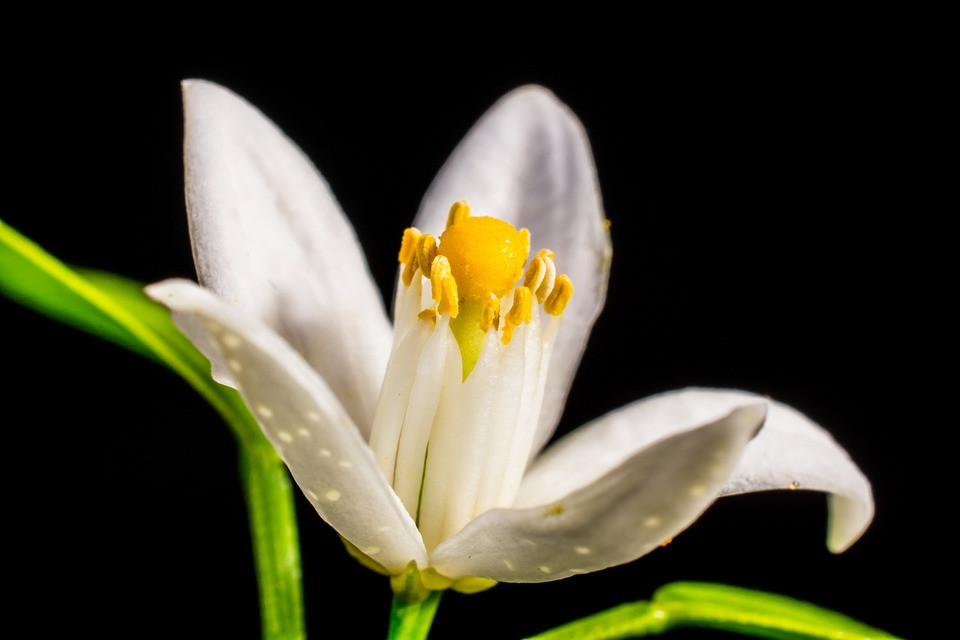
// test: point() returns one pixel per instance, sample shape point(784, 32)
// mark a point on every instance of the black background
point(765, 238)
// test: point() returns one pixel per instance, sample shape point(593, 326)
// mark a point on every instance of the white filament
point(453, 448)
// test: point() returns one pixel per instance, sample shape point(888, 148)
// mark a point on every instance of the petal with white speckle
point(341, 478)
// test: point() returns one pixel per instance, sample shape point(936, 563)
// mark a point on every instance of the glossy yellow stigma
point(486, 255)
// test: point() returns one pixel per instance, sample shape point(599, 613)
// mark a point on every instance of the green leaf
point(717, 606)
point(764, 615)
point(116, 309)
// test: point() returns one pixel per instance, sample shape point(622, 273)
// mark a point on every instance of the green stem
point(716, 606)
point(412, 621)
point(276, 548)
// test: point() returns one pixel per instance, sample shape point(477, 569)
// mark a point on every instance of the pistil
point(466, 377)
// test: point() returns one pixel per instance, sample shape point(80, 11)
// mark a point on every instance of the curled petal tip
point(793, 452)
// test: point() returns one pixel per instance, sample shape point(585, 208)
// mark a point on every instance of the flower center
point(461, 397)
point(486, 256)
point(472, 270)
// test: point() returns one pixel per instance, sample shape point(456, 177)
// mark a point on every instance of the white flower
point(289, 316)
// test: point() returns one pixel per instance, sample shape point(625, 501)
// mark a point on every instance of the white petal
point(624, 513)
point(792, 452)
point(269, 238)
point(303, 420)
point(528, 161)
point(595, 448)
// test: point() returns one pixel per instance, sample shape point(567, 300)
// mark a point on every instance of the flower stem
point(412, 621)
point(276, 548)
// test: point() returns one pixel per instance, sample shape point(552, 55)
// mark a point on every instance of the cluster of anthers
point(461, 398)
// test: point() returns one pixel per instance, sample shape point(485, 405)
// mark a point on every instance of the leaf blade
point(717, 606)
point(116, 309)
point(758, 613)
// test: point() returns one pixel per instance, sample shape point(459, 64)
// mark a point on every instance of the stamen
point(459, 211)
point(535, 273)
point(429, 314)
point(443, 287)
point(541, 275)
point(410, 270)
point(490, 313)
point(426, 252)
point(549, 280)
point(519, 313)
point(546, 253)
point(409, 244)
point(559, 298)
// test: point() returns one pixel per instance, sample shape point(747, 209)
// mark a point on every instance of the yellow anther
point(559, 298)
point(546, 253)
point(439, 271)
point(410, 270)
point(459, 211)
point(409, 244)
point(541, 274)
point(549, 280)
point(443, 287)
point(519, 313)
point(666, 542)
point(428, 314)
point(486, 255)
point(535, 273)
point(426, 252)
point(490, 312)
